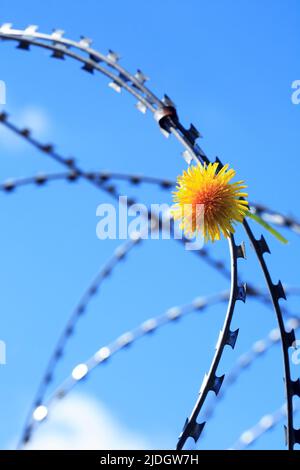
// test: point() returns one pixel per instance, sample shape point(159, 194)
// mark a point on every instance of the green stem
point(268, 227)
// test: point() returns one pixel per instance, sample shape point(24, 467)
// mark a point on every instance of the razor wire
point(57, 354)
point(76, 172)
point(292, 388)
point(103, 176)
point(258, 349)
point(228, 337)
point(40, 179)
point(151, 325)
point(238, 292)
point(266, 423)
point(61, 47)
point(83, 369)
point(166, 115)
point(192, 428)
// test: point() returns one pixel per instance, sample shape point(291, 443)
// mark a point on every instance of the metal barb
point(289, 338)
point(241, 292)
point(297, 436)
point(193, 134)
point(232, 337)
point(295, 385)
point(279, 291)
point(217, 383)
point(241, 251)
point(262, 245)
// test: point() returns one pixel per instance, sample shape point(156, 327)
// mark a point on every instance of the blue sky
point(229, 67)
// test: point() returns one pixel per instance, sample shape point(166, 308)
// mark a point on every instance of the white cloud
point(35, 118)
point(31, 117)
point(81, 422)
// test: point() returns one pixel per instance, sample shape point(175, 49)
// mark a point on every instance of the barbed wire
point(151, 325)
point(61, 47)
point(68, 330)
point(258, 349)
point(75, 172)
point(237, 292)
point(166, 115)
point(40, 179)
point(103, 176)
point(83, 369)
point(266, 423)
point(288, 338)
point(211, 381)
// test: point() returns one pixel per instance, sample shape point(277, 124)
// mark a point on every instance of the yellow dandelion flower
point(204, 188)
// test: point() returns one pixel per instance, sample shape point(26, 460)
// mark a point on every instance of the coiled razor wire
point(80, 309)
point(235, 251)
point(83, 369)
point(258, 349)
point(165, 114)
point(120, 253)
point(288, 338)
point(40, 179)
point(265, 424)
point(227, 337)
point(75, 172)
point(238, 292)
